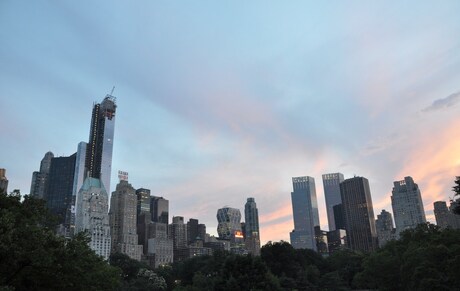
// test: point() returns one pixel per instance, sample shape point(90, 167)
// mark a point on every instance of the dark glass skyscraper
point(159, 207)
point(331, 185)
point(359, 214)
point(60, 185)
point(98, 162)
point(305, 213)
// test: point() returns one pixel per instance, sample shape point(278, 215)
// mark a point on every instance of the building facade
point(407, 204)
point(39, 183)
point(159, 209)
point(331, 186)
point(98, 160)
point(3, 181)
point(251, 231)
point(92, 216)
point(58, 193)
point(444, 216)
point(229, 225)
point(305, 213)
point(359, 214)
point(123, 221)
point(384, 227)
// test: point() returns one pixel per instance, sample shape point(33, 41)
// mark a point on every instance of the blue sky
point(223, 100)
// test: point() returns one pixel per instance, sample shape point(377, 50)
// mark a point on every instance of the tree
point(456, 202)
point(32, 257)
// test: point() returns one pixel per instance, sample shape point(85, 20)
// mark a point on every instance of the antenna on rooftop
point(111, 93)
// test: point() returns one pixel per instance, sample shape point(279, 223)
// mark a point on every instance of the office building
point(58, 193)
point(384, 227)
point(359, 214)
point(407, 204)
point(92, 216)
point(339, 217)
point(143, 201)
point(123, 219)
point(336, 240)
point(159, 207)
point(251, 229)
point(444, 216)
point(98, 162)
point(40, 179)
point(305, 213)
point(3, 181)
point(192, 230)
point(160, 248)
point(177, 231)
point(321, 241)
point(331, 186)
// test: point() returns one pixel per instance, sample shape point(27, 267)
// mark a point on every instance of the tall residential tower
point(251, 217)
point(407, 205)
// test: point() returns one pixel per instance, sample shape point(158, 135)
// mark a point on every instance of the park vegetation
point(32, 257)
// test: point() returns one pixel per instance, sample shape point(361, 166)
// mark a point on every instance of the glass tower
point(331, 184)
point(98, 162)
point(305, 213)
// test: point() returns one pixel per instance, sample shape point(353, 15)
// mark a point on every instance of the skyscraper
point(359, 214)
point(331, 185)
point(98, 162)
point(444, 216)
point(159, 207)
point(40, 178)
point(384, 227)
point(123, 208)
point(3, 181)
point(252, 236)
point(407, 204)
point(229, 225)
point(92, 215)
point(305, 213)
point(58, 194)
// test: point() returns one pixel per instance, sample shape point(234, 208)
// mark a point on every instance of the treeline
point(32, 257)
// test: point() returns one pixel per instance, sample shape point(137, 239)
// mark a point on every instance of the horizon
point(225, 101)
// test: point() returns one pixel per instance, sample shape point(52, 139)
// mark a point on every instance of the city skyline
point(222, 102)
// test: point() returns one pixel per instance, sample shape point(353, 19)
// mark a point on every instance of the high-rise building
point(80, 173)
point(92, 216)
point(123, 218)
point(336, 240)
point(160, 249)
point(3, 181)
point(305, 213)
point(229, 225)
point(177, 231)
point(339, 217)
point(407, 204)
point(40, 179)
point(384, 227)
point(143, 201)
point(444, 216)
point(321, 241)
point(98, 162)
point(159, 207)
point(331, 185)
point(359, 214)
point(58, 193)
point(192, 230)
point(251, 231)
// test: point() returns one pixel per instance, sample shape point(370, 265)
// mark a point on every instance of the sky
point(219, 101)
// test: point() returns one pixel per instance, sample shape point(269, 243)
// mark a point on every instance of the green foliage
point(456, 202)
point(425, 258)
point(32, 257)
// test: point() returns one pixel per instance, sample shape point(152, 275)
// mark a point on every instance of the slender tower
point(251, 216)
point(98, 162)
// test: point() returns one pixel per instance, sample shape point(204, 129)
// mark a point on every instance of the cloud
point(443, 103)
